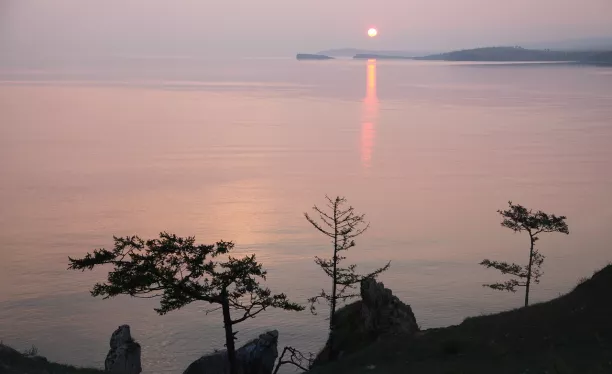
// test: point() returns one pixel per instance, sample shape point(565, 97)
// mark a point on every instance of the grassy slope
point(13, 362)
point(570, 334)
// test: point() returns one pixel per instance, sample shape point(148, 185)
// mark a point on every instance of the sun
point(372, 32)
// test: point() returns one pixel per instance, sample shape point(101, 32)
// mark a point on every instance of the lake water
point(239, 149)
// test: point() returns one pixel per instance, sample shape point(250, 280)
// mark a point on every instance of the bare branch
point(208, 311)
point(318, 226)
point(296, 358)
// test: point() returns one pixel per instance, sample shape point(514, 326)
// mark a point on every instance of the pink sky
point(286, 26)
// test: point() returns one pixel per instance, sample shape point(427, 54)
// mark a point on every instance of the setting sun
point(372, 32)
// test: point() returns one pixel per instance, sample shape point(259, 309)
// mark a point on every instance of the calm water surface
point(238, 150)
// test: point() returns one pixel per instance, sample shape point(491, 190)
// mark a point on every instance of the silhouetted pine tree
point(180, 272)
point(520, 219)
point(342, 225)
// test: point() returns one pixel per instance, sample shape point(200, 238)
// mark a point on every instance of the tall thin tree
point(521, 219)
point(179, 272)
point(342, 225)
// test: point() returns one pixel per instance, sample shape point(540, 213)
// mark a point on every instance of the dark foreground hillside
point(568, 335)
point(14, 362)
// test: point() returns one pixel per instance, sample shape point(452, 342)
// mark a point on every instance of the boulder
point(255, 357)
point(124, 354)
point(382, 312)
point(361, 323)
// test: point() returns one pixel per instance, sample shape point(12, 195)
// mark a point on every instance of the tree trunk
point(229, 334)
point(529, 272)
point(332, 354)
point(333, 301)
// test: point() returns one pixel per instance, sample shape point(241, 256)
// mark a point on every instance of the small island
point(308, 56)
point(370, 56)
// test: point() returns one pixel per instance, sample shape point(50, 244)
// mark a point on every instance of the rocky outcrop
point(363, 322)
point(124, 354)
point(382, 312)
point(255, 357)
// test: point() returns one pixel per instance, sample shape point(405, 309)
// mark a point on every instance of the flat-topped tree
point(519, 219)
point(342, 225)
point(179, 272)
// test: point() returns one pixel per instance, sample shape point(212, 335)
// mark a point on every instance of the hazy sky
point(195, 27)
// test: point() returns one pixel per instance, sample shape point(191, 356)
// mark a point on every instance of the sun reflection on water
point(370, 112)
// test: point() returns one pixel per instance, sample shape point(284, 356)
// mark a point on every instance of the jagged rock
point(382, 312)
point(124, 355)
point(255, 357)
point(363, 322)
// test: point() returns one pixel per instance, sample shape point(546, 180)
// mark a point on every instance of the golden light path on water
point(370, 113)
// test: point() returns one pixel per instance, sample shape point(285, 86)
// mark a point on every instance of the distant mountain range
point(489, 54)
point(370, 56)
point(583, 44)
point(350, 52)
point(511, 54)
point(508, 54)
